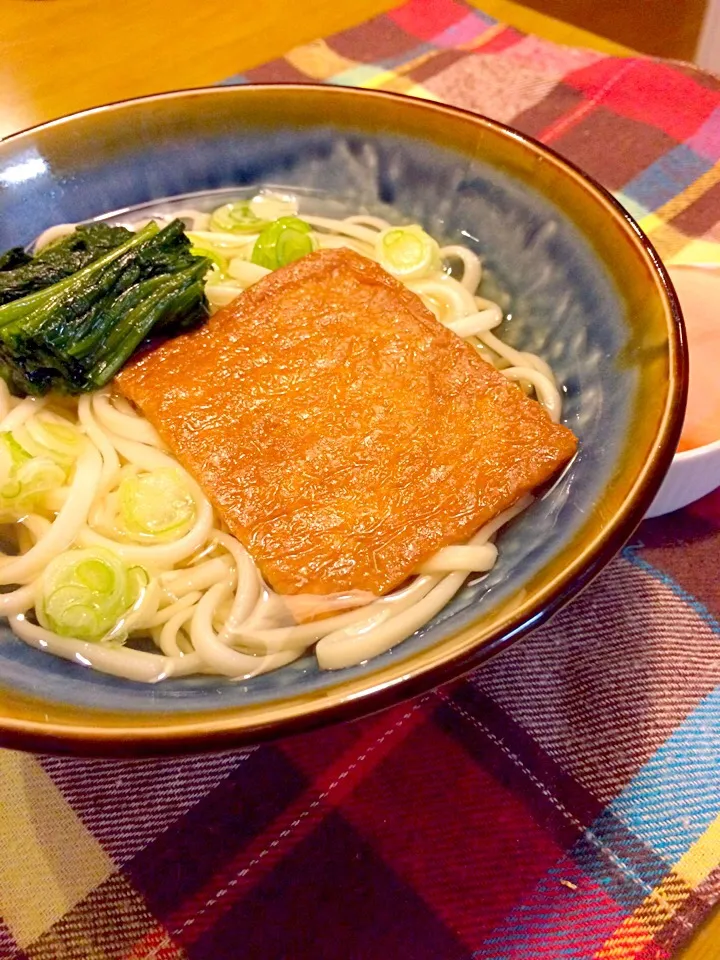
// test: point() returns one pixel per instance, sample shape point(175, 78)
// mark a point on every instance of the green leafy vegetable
point(12, 259)
point(283, 241)
point(75, 334)
point(21, 274)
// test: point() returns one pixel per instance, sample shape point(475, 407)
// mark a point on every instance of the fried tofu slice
point(343, 434)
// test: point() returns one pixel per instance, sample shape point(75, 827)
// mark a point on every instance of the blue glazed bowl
point(586, 292)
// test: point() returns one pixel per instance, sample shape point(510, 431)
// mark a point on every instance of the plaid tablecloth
point(561, 802)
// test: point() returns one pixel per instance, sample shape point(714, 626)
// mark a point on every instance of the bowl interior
point(567, 298)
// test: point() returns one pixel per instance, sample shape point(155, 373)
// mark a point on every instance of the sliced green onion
point(222, 242)
point(156, 503)
point(250, 216)
point(12, 455)
point(283, 241)
point(39, 476)
point(25, 480)
point(236, 218)
point(219, 264)
point(138, 579)
point(86, 593)
point(43, 436)
point(10, 490)
point(407, 253)
point(269, 206)
point(246, 272)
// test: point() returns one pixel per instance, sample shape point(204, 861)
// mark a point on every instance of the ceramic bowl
point(692, 475)
point(585, 290)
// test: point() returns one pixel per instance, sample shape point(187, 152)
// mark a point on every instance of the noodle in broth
point(203, 607)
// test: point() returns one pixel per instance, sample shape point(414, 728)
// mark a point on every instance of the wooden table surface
point(59, 56)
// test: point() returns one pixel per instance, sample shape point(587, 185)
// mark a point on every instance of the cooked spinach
point(13, 258)
point(76, 330)
point(23, 274)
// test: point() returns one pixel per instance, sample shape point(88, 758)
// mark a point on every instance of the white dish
point(692, 475)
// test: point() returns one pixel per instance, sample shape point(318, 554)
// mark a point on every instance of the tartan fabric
point(659, 122)
point(561, 802)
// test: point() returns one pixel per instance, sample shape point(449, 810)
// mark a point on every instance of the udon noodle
point(202, 606)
